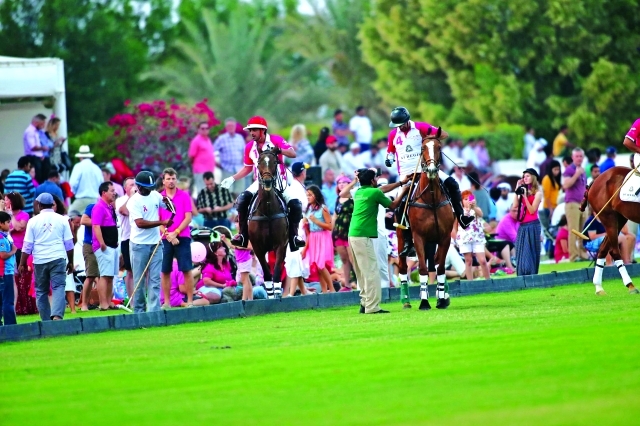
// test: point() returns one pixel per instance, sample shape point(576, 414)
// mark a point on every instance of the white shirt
point(85, 179)
point(529, 141)
point(469, 154)
point(123, 221)
point(351, 163)
point(48, 232)
point(147, 208)
point(503, 206)
point(361, 127)
point(536, 157)
point(449, 152)
point(464, 183)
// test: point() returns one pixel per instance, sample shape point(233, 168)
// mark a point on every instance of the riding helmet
point(256, 122)
point(399, 116)
point(146, 179)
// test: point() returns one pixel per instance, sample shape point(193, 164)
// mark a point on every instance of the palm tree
point(235, 65)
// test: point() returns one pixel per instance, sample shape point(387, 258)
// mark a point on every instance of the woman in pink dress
point(319, 248)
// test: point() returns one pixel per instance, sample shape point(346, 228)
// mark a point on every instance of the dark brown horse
point(431, 220)
point(613, 216)
point(268, 224)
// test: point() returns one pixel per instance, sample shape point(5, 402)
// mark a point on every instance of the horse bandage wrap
point(626, 279)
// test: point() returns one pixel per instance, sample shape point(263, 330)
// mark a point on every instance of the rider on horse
point(632, 141)
point(405, 141)
point(262, 141)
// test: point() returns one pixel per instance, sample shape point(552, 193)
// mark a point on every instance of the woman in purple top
point(528, 198)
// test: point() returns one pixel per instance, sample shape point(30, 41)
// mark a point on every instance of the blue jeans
point(51, 275)
point(8, 311)
point(212, 223)
point(140, 256)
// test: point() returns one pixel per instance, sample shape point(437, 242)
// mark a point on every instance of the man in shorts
point(91, 271)
point(105, 242)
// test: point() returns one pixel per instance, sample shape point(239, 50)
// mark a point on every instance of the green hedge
point(98, 140)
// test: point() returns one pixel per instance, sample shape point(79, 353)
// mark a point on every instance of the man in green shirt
point(362, 230)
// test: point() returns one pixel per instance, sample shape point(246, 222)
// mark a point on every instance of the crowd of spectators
point(120, 224)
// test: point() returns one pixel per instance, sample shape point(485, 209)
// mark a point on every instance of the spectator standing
point(214, 202)
point(105, 242)
point(20, 181)
point(48, 238)
point(469, 156)
point(482, 156)
point(331, 159)
point(230, 149)
point(471, 241)
point(363, 229)
point(537, 155)
point(561, 144)
point(450, 152)
point(319, 249)
point(329, 188)
point(106, 175)
point(33, 146)
point(339, 128)
point(482, 199)
point(340, 234)
point(529, 141)
point(551, 185)
point(85, 180)
point(458, 174)
point(176, 241)
point(51, 185)
point(574, 184)
point(321, 144)
point(504, 202)
point(351, 161)
point(298, 140)
point(360, 126)
point(201, 155)
point(610, 161)
point(55, 154)
point(7, 271)
point(122, 212)
point(144, 218)
point(91, 270)
point(293, 260)
point(595, 172)
point(528, 239)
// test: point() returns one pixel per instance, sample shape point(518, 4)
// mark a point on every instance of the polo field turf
point(544, 356)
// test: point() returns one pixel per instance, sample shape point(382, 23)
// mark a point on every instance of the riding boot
point(242, 205)
point(456, 201)
point(295, 216)
point(408, 249)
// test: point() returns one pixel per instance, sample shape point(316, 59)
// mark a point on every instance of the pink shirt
point(210, 271)
point(103, 215)
point(424, 128)
point(251, 152)
point(201, 154)
point(30, 140)
point(18, 237)
point(634, 132)
point(182, 202)
point(177, 279)
point(558, 254)
point(529, 217)
point(507, 229)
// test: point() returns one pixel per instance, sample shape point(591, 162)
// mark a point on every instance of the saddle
point(413, 194)
point(253, 207)
point(630, 191)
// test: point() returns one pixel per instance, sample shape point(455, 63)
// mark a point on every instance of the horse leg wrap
point(404, 289)
point(268, 286)
point(424, 288)
point(277, 290)
point(442, 290)
point(626, 279)
point(597, 274)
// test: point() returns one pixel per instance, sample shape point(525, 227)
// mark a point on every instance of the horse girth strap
point(265, 218)
point(430, 206)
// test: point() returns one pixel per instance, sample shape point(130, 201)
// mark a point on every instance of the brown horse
point(268, 223)
point(431, 218)
point(613, 217)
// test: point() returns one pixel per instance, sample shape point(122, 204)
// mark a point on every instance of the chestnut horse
point(431, 221)
point(268, 223)
point(613, 217)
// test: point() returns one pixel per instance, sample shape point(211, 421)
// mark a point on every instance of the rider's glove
point(226, 183)
point(388, 162)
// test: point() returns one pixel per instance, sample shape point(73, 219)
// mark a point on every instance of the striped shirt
point(219, 197)
point(19, 181)
point(231, 151)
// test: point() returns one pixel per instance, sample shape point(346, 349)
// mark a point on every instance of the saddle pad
point(629, 191)
point(254, 203)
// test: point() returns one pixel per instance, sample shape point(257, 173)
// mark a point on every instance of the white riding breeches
point(287, 194)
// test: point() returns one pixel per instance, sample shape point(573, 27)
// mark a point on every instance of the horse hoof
point(424, 305)
point(406, 306)
point(634, 291)
point(443, 303)
point(601, 293)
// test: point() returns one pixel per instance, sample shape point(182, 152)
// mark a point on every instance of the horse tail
point(585, 200)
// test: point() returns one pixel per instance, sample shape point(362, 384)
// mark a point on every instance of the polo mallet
point(581, 234)
point(171, 209)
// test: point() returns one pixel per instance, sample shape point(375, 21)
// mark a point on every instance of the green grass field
point(550, 356)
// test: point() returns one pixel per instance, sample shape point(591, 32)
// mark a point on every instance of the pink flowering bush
point(152, 136)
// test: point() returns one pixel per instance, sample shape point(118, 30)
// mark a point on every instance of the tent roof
point(22, 77)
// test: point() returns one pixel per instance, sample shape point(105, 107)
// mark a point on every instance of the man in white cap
point(458, 174)
point(85, 180)
point(351, 161)
point(48, 238)
point(503, 204)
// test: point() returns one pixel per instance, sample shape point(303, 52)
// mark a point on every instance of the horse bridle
point(425, 164)
point(266, 178)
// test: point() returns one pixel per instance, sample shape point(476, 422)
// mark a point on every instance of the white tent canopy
point(26, 78)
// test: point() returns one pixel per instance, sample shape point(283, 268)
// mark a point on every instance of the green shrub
point(99, 139)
